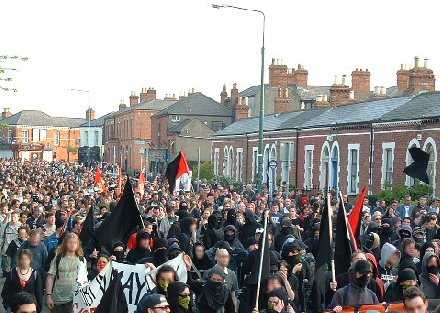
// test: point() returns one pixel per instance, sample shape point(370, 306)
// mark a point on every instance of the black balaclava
point(230, 238)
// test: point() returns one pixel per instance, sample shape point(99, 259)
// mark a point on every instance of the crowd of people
point(43, 207)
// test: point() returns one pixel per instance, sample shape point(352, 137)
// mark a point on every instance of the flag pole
point(330, 230)
point(137, 207)
point(350, 231)
point(266, 213)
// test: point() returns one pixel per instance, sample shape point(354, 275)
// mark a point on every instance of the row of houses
point(336, 136)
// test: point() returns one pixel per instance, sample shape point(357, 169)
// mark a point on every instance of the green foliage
point(72, 149)
point(231, 182)
point(206, 171)
point(398, 192)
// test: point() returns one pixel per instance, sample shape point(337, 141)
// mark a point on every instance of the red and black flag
point(122, 221)
point(178, 174)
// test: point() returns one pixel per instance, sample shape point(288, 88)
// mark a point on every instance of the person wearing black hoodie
point(250, 226)
point(142, 253)
point(179, 298)
point(214, 230)
point(405, 279)
point(215, 296)
point(409, 253)
point(238, 253)
point(188, 227)
point(200, 259)
point(160, 252)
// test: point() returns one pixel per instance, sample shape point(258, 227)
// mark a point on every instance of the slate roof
point(178, 127)
point(39, 118)
point(424, 105)
point(196, 104)
point(421, 106)
point(310, 92)
point(357, 112)
point(271, 122)
point(157, 104)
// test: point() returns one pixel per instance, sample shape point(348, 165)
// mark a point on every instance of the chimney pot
point(426, 63)
point(343, 79)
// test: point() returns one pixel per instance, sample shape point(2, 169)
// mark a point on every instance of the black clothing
point(12, 286)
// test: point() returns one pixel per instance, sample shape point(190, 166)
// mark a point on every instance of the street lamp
point(261, 115)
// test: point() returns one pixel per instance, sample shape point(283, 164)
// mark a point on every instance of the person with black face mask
point(356, 292)
point(142, 253)
point(118, 253)
point(214, 230)
point(215, 296)
point(160, 252)
point(429, 278)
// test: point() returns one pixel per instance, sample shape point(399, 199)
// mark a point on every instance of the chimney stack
point(277, 74)
point(283, 101)
point(360, 83)
point(223, 95)
point(134, 99)
point(90, 114)
point(421, 78)
point(147, 94)
point(6, 113)
point(300, 76)
point(234, 95)
point(340, 92)
point(402, 76)
point(122, 105)
point(241, 110)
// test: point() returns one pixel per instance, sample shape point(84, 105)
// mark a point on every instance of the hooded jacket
point(214, 231)
point(385, 254)
point(376, 284)
point(430, 290)
point(353, 295)
point(250, 226)
point(174, 290)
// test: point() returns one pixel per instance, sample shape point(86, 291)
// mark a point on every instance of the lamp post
point(260, 174)
point(86, 92)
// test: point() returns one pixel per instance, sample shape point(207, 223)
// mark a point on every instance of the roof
point(98, 122)
point(39, 118)
point(424, 105)
point(358, 112)
point(421, 106)
point(196, 104)
point(157, 104)
point(311, 92)
point(271, 122)
point(178, 127)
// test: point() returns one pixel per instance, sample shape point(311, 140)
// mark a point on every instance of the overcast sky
point(114, 47)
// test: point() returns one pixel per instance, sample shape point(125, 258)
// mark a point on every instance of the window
point(353, 169)
point(35, 135)
point(175, 118)
point(431, 148)
point(86, 138)
point(239, 165)
point(217, 125)
point(287, 157)
point(254, 163)
point(410, 181)
point(25, 135)
point(96, 137)
point(43, 134)
point(58, 138)
point(387, 163)
point(216, 160)
point(9, 136)
point(225, 161)
point(308, 167)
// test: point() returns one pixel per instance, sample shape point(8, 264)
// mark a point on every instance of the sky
point(114, 47)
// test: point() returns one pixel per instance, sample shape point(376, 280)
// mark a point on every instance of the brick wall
point(399, 135)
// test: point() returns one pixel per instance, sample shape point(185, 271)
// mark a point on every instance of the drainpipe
point(296, 159)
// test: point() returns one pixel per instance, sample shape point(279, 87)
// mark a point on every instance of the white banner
point(136, 281)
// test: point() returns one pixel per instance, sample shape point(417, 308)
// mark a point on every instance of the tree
point(206, 172)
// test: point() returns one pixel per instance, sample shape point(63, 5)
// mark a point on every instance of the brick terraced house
point(32, 134)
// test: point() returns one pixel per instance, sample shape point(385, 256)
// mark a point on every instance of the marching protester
point(209, 250)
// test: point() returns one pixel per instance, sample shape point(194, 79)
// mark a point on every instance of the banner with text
point(136, 281)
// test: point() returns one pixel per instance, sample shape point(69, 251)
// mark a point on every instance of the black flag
point(113, 300)
point(321, 281)
point(121, 222)
point(342, 243)
point(88, 228)
point(417, 169)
